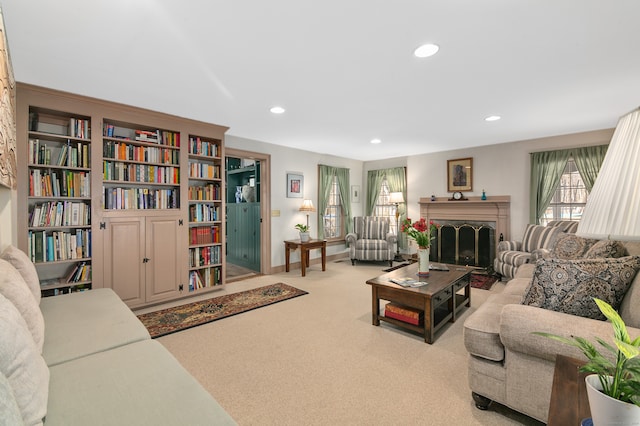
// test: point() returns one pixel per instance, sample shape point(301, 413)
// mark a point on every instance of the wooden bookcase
point(133, 211)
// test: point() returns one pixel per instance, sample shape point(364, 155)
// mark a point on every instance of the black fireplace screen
point(464, 244)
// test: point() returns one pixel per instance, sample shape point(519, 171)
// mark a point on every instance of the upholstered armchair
point(371, 239)
point(537, 240)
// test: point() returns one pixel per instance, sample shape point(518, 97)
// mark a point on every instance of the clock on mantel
point(457, 196)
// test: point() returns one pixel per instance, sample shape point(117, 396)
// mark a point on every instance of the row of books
point(404, 313)
point(127, 172)
point(202, 147)
point(209, 192)
point(204, 235)
point(53, 246)
point(148, 154)
point(204, 256)
point(70, 155)
point(59, 213)
point(161, 137)
point(60, 183)
point(80, 272)
point(66, 290)
point(204, 170)
point(79, 128)
point(204, 278)
point(140, 198)
point(204, 213)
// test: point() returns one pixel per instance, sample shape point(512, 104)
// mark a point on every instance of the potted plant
point(304, 232)
point(612, 384)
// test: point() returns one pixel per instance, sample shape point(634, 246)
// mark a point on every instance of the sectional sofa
point(510, 365)
point(85, 359)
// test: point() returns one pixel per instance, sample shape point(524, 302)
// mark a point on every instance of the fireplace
point(470, 229)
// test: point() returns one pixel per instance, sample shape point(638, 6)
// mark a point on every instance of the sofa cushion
point(27, 269)
point(122, 387)
point(8, 405)
point(105, 323)
point(571, 246)
point(22, 364)
point(538, 236)
point(569, 286)
point(13, 287)
point(375, 228)
point(606, 248)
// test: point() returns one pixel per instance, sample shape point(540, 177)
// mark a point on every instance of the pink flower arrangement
point(420, 231)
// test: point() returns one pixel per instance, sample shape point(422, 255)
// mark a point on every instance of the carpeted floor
point(170, 320)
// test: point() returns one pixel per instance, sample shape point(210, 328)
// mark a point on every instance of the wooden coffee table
point(441, 300)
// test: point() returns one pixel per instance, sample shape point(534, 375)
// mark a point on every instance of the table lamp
point(397, 199)
point(613, 208)
point(307, 206)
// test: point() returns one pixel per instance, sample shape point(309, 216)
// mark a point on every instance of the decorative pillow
point(569, 286)
point(606, 248)
point(538, 236)
point(13, 287)
point(27, 269)
point(22, 365)
point(570, 246)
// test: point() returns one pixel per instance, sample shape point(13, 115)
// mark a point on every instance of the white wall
point(501, 169)
point(285, 160)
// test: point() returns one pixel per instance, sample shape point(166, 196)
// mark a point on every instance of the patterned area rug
point(170, 320)
point(482, 281)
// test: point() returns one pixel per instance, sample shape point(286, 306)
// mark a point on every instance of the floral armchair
point(371, 240)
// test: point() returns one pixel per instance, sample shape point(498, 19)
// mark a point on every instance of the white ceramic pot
point(423, 262)
point(607, 411)
point(305, 237)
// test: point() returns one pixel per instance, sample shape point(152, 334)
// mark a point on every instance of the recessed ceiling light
point(426, 50)
point(374, 141)
point(493, 118)
point(277, 110)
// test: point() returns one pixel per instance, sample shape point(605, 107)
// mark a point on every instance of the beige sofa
point(510, 365)
point(84, 358)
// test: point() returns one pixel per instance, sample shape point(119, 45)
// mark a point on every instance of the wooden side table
point(569, 404)
point(304, 253)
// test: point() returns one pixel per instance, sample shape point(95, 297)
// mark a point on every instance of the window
point(333, 223)
point(569, 198)
point(385, 209)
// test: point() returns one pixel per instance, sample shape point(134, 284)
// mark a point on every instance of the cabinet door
point(124, 270)
point(164, 251)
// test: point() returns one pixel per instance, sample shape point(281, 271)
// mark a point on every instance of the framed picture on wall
point(355, 193)
point(460, 174)
point(295, 185)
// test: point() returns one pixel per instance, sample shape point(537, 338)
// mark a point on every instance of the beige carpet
point(317, 360)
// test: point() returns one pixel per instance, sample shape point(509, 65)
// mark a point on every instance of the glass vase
point(423, 261)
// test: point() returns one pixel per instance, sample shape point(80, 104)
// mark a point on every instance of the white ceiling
point(344, 70)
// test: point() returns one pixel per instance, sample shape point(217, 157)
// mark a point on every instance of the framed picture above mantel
point(460, 174)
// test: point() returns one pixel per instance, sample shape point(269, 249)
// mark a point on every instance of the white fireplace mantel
point(474, 209)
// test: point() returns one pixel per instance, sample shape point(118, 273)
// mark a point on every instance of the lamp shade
point(307, 206)
point(396, 198)
point(613, 208)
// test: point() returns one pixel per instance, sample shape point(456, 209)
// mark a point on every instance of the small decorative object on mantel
point(433, 197)
point(484, 196)
point(421, 233)
point(457, 196)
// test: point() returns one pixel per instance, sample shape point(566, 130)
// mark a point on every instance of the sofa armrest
point(518, 322)
point(509, 246)
point(540, 254)
point(351, 238)
point(391, 238)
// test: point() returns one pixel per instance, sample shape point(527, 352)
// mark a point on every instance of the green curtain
point(325, 178)
point(374, 181)
point(397, 181)
point(342, 176)
point(546, 169)
point(588, 161)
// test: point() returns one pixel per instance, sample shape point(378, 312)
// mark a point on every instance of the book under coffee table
point(441, 299)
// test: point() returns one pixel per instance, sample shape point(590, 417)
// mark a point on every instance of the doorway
point(247, 206)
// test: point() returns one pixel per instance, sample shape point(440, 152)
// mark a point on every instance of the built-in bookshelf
point(140, 167)
point(59, 199)
point(205, 213)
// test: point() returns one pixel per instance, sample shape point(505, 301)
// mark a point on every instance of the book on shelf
point(408, 282)
point(404, 313)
